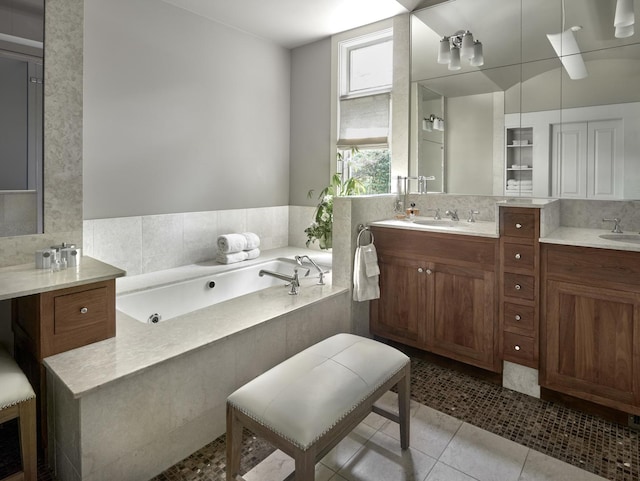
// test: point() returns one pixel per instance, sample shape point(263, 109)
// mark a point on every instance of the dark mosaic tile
point(589, 442)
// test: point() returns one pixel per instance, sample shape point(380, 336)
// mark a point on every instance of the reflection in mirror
point(520, 125)
point(21, 117)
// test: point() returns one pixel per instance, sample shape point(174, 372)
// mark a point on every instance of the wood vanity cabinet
point(438, 293)
point(520, 284)
point(52, 322)
point(591, 325)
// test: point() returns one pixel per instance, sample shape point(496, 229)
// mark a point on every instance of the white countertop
point(576, 236)
point(25, 279)
point(443, 226)
point(139, 346)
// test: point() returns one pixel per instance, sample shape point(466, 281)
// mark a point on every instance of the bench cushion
point(305, 396)
point(15, 386)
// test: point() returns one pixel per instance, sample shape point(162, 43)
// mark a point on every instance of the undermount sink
point(635, 238)
point(436, 223)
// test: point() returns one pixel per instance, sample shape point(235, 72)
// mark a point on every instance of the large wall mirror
point(543, 101)
point(21, 117)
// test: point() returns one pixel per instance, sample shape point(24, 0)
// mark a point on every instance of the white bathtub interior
point(168, 301)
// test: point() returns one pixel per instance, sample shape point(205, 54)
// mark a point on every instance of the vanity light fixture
point(567, 50)
point(460, 45)
point(432, 123)
point(625, 19)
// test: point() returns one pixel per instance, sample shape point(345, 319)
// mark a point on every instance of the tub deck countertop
point(139, 346)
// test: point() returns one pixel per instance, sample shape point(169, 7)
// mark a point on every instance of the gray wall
point(311, 154)
point(182, 114)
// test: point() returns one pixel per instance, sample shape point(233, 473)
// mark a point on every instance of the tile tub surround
point(150, 243)
point(167, 383)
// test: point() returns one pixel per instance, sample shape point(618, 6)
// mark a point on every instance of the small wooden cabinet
point(52, 322)
point(437, 293)
point(591, 325)
point(520, 284)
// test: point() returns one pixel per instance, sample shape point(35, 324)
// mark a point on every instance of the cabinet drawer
point(518, 285)
point(79, 311)
point(519, 317)
point(519, 349)
point(518, 255)
point(78, 316)
point(518, 224)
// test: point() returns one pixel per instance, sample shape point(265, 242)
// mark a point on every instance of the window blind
point(365, 121)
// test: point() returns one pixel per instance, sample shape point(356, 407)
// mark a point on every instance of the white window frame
point(345, 48)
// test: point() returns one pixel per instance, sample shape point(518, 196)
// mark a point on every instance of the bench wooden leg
point(404, 406)
point(234, 444)
point(305, 465)
point(28, 449)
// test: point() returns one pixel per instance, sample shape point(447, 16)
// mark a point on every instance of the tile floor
point(463, 428)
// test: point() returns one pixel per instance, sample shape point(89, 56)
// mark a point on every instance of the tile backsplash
point(150, 243)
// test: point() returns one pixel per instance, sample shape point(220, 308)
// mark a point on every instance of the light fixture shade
point(624, 32)
point(427, 125)
point(568, 51)
point(624, 14)
point(478, 57)
point(443, 51)
point(454, 61)
point(466, 50)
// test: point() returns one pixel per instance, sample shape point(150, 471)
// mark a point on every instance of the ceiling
point(292, 23)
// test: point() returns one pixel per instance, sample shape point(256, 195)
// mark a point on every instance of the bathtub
point(166, 302)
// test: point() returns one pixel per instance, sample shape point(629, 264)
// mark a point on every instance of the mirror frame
point(62, 143)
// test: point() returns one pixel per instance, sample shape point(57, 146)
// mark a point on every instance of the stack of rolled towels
point(513, 184)
point(237, 247)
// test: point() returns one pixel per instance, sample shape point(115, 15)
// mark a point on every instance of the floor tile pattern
point(589, 442)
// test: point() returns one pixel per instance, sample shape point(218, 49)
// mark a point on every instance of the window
point(366, 75)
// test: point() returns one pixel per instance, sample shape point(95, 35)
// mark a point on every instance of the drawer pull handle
point(518, 256)
point(518, 225)
point(420, 269)
point(518, 287)
point(518, 317)
point(516, 347)
point(84, 310)
point(429, 272)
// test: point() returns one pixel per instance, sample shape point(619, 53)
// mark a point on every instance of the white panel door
point(605, 160)
point(569, 160)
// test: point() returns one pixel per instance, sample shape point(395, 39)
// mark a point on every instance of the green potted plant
point(321, 229)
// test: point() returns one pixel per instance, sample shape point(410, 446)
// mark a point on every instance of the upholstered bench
point(17, 400)
point(305, 405)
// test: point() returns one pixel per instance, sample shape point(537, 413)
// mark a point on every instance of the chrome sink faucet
point(293, 280)
point(472, 214)
point(299, 260)
point(616, 225)
point(453, 214)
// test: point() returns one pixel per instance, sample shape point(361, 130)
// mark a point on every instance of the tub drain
point(154, 318)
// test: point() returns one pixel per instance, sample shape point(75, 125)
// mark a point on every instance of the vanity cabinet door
point(593, 344)
point(462, 322)
point(399, 313)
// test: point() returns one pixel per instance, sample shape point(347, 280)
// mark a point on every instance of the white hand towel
point(232, 257)
point(364, 287)
point(253, 241)
point(230, 243)
point(253, 253)
point(370, 260)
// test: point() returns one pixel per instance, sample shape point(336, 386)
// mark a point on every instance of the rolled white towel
point(230, 243)
point(253, 241)
point(232, 257)
point(253, 253)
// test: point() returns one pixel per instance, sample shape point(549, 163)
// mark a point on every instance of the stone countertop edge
point(137, 346)
point(583, 237)
point(25, 279)
point(478, 228)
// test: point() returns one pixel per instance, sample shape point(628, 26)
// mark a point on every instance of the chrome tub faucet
point(299, 260)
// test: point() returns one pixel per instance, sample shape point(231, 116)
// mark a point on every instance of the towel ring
point(362, 230)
